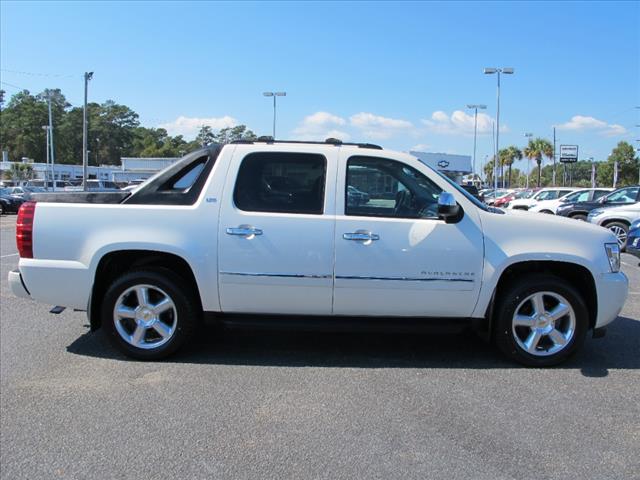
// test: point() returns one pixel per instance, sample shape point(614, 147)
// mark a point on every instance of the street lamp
point(274, 95)
point(475, 133)
point(498, 71)
point(46, 170)
point(528, 136)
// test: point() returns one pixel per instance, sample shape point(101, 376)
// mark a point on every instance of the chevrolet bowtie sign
point(443, 164)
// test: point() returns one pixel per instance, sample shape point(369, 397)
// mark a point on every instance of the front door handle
point(361, 236)
point(244, 231)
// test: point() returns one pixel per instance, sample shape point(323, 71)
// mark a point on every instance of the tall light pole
point(475, 133)
point(53, 155)
point(274, 95)
point(85, 159)
point(491, 71)
point(46, 171)
point(528, 136)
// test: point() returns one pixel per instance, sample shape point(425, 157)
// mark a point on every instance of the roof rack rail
point(328, 141)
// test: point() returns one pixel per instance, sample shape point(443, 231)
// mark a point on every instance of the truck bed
point(81, 197)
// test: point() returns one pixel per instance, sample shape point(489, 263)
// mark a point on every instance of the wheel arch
point(616, 220)
point(115, 263)
point(579, 276)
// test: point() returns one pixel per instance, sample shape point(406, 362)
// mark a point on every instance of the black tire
point(503, 331)
point(613, 226)
point(187, 309)
point(579, 216)
point(1, 209)
point(548, 212)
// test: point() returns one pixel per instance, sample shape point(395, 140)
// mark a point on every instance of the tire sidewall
point(503, 332)
point(167, 281)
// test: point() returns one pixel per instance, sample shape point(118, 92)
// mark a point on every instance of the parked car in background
point(60, 184)
point(491, 197)
point(24, 192)
point(633, 239)
point(8, 203)
point(580, 210)
point(582, 195)
point(544, 194)
point(504, 202)
point(95, 186)
point(617, 219)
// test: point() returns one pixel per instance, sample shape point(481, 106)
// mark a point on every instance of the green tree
point(19, 172)
point(508, 156)
point(21, 130)
point(535, 150)
point(232, 134)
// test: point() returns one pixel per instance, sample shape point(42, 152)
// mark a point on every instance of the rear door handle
point(244, 231)
point(361, 236)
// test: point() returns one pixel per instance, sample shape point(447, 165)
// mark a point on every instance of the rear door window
point(281, 182)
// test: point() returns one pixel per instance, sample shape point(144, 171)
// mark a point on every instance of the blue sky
point(399, 74)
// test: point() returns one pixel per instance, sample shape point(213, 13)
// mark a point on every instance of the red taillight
point(24, 229)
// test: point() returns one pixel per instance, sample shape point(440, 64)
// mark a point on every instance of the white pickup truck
point(264, 231)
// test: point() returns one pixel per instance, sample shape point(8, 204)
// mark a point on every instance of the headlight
point(596, 212)
point(613, 254)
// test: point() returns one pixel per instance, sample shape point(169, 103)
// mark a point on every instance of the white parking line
point(10, 255)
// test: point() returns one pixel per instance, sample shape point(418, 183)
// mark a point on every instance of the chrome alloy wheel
point(145, 316)
point(544, 323)
point(620, 234)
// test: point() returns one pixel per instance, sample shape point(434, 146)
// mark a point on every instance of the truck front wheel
point(540, 321)
point(147, 314)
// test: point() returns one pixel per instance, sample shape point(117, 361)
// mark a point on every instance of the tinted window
point(378, 187)
point(624, 195)
point(281, 182)
point(599, 193)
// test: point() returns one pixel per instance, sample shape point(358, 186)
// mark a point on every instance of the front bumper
point(17, 285)
point(613, 289)
point(633, 245)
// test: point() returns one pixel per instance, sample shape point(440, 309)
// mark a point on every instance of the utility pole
point(48, 151)
point(490, 71)
point(475, 134)
point(274, 95)
point(85, 160)
point(553, 181)
point(50, 135)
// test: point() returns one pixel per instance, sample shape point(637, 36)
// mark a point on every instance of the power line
point(34, 74)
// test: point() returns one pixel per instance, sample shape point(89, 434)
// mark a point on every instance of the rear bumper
point(613, 289)
point(17, 285)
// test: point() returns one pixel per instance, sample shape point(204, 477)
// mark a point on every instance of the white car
point(215, 235)
point(617, 219)
point(544, 194)
point(582, 195)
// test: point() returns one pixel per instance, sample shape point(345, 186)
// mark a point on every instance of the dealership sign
point(568, 153)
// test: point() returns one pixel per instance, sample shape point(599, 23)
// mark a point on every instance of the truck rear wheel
point(540, 321)
point(148, 315)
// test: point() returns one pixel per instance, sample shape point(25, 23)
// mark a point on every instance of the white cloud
point(581, 123)
point(189, 126)
point(460, 123)
point(320, 126)
point(378, 127)
point(421, 147)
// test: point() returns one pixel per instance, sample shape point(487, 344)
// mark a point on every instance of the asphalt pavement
point(256, 405)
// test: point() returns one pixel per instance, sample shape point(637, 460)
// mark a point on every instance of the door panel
point(410, 266)
point(276, 261)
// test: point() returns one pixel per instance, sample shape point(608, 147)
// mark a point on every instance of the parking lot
point(310, 405)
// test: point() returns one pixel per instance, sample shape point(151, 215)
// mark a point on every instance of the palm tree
point(536, 149)
point(508, 156)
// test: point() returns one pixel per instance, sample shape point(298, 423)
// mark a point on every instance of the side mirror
point(448, 208)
